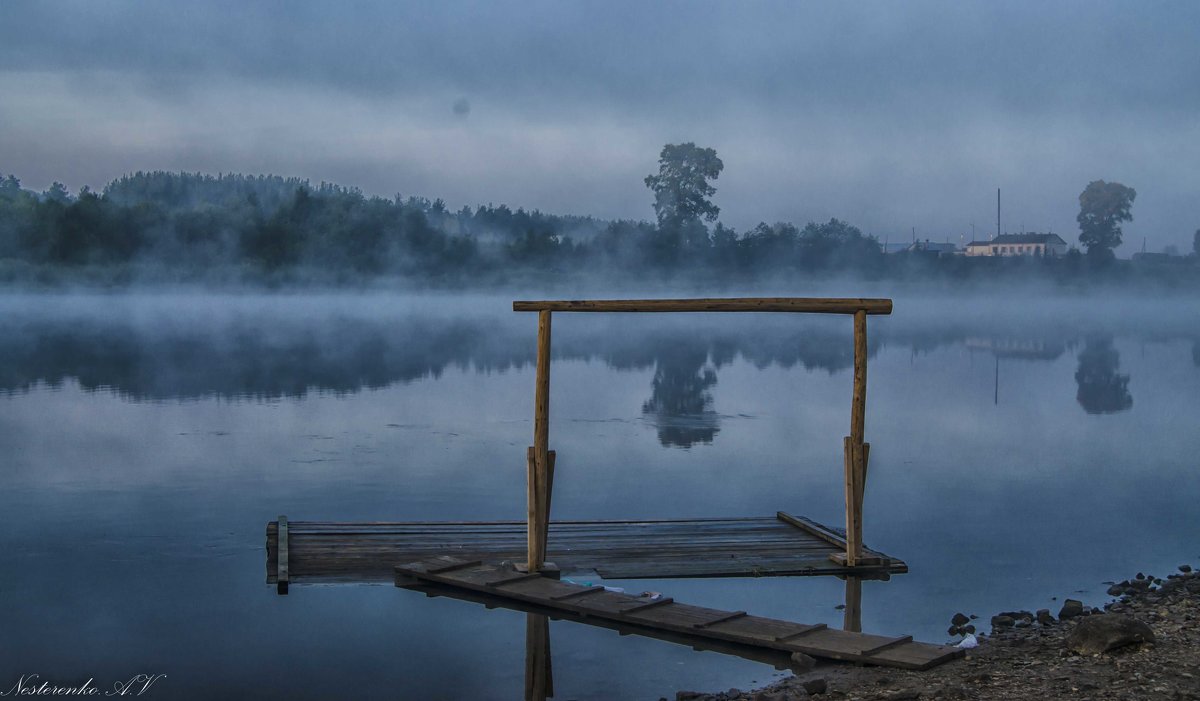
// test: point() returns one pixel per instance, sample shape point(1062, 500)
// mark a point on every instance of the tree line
point(195, 223)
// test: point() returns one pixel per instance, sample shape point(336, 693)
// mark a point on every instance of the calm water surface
point(1022, 450)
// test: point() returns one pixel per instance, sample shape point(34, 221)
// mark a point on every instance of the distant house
point(979, 248)
point(932, 248)
point(1144, 258)
point(1019, 245)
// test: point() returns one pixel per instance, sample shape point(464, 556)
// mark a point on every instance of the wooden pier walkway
point(782, 545)
point(664, 613)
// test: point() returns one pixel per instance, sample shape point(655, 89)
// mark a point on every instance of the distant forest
point(275, 230)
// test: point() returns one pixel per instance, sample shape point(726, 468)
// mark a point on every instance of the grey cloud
point(890, 114)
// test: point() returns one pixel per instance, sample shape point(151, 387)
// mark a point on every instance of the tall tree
point(1102, 208)
point(681, 188)
point(1196, 242)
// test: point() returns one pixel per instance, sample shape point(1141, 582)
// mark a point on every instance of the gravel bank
point(1031, 655)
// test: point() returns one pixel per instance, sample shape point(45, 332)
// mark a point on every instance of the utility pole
point(997, 211)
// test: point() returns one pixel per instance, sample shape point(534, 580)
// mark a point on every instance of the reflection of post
point(539, 677)
point(852, 618)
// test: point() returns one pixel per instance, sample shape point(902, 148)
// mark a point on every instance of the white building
point(1019, 245)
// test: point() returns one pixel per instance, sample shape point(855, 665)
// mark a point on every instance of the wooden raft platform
point(782, 545)
point(667, 614)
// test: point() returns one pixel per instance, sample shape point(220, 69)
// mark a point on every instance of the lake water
point(1023, 450)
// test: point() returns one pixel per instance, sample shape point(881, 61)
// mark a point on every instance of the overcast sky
point(890, 115)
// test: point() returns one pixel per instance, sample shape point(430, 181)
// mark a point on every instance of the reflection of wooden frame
point(540, 459)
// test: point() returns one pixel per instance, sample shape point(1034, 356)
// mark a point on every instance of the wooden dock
point(664, 613)
point(777, 659)
point(780, 545)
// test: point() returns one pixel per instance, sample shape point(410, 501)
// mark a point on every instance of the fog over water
point(259, 258)
point(1024, 447)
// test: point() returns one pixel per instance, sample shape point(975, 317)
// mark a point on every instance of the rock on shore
point(1146, 645)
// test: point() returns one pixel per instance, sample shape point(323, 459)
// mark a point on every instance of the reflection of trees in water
point(245, 357)
point(1102, 390)
point(680, 404)
point(267, 355)
point(1196, 353)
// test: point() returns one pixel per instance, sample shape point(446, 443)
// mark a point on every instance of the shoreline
point(1026, 655)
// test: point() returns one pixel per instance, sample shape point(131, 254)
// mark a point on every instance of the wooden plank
point(818, 641)
point(438, 569)
point(886, 645)
point(813, 305)
point(779, 659)
point(720, 619)
point(812, 528)
point(863, 562)
point(662, 601)
point(793, 636)
point(577, 594)
point(513, 579)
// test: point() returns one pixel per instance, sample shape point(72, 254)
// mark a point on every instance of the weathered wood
point(511, 578)
point(886, 645)
point(759, 546)
point(705, 622)
point(720, 619)
point(862, 478)
point(539, 679)
point(540, 514)
point(662, 601)
point(778, 659)
point(852, 614)
point(859, 400)
point(455, 566)
point(544, 526)
point(813, 528)
point(587, 591)
point(534, 554)
point(282, 573)
point(864, 564)
point(707, 547)
point(851, 471)
point(853, 446)
point(793, 636)
point(858, 500)
point(812, 305)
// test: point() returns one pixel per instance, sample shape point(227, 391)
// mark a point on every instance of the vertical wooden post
point(855, 450)
point(851, 502)
point(539, 470)
point(545, 525)
point(533, 534)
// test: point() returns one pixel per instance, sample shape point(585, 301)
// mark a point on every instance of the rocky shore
point(1143, 645)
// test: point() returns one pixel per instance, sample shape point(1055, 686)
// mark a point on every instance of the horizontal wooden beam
point(812, 305)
